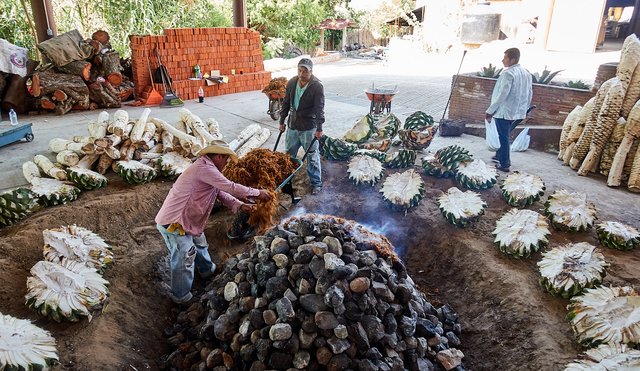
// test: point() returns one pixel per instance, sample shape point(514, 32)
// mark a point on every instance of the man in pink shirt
point(184, 214)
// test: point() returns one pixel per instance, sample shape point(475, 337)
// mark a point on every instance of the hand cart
point(380, 99)
point(10, 134)
point(275, 103)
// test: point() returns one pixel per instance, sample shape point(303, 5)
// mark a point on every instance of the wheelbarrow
point(13, 134)
point(240, 228)
point(275, 103)
point(380, 99)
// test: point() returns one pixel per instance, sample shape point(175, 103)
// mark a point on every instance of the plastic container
point(197, 71)
point(200, 95)
point(13, 117)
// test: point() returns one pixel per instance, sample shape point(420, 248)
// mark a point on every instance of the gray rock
point(285, 310)
point(223, 328)
point(269, 317)
point(407, 326)
point(279, 246)
point(281, 260)
point(453, 340)
point(304, 228)
point(280, 360)
point(338, 346)
point(322, 285)
point(317, 267)
point(295, 241)
point(280, 331)
point(320, 248)
point(359, 284)
point(334, 296)
point(230, 291)
point(309, 239)
point(260, 302)
point(264, 255)
point(304, 287)
point(366, 365)
point(450, 358)
point(359, 336)
point(303, 256)
point(313, 303)
point(264, 271)
point(341, 332)
point(276, 286)
point(289, 294)
point(332, 261)
point(262, 242)
point(373, 326)
point(306, 339)
point(333, 244)
point(382, 291)
point(326, 320)
point(301, 359)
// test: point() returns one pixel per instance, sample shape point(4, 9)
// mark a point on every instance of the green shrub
point(579, 84)
point(545, 77)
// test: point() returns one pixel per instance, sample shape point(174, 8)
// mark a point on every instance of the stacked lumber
point(83, 74)
point(602, 136)
point(137, 150)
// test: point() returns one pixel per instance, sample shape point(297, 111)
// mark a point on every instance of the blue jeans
point(504, 130)
point(296, 139)
point(184, 251)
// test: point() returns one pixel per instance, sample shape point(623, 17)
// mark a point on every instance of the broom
point(154, 97)
point(170, 98)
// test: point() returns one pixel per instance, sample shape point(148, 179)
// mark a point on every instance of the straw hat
point(218, 147)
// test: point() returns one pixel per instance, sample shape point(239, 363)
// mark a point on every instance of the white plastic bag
point(521, 143)
point(491, 135)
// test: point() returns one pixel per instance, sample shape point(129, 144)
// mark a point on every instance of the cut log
point(140, 126)
point(104, 162)
point(87, 161)
point(59, 95)
point(111, 68)
point(67, 158)
point(79, 68)
point(48, 168)
point(63, 107)
point(45, 83)
point(197, 126)
point(101, 36)
point(46, 103)
point(104, 94)
point(120, 120)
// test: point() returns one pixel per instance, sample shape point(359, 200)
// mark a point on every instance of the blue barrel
point(480, 28)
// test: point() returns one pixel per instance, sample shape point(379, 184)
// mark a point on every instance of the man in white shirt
point(509, 103)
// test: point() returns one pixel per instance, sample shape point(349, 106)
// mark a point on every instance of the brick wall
point(472, 95)
point(605, 72)
point(223, 49)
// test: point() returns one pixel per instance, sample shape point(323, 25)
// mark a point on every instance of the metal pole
point(44, 21)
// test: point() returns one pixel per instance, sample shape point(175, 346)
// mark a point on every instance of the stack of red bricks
point(234, 51)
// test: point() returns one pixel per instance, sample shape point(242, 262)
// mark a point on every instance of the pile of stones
point(316, 292)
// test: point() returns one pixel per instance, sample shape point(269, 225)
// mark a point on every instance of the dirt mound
point(508, 321)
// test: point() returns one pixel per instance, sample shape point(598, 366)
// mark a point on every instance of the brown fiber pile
point(263, 169)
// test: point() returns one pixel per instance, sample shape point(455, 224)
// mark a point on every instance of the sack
point(521, 143)
point(13, 59)
point(491, 135)
point(451, 128)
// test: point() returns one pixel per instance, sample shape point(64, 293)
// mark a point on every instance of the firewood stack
point(83, 74)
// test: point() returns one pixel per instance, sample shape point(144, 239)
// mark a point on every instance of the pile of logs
point(94, 80)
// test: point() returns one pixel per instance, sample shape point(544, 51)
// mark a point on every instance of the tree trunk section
point(104, 94)
point(111, 68)
point(101, 36)
point(80, 68)
point(63, 107)
point(46, 83)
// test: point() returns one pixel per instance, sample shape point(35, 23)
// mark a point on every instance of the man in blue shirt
point(509, 103)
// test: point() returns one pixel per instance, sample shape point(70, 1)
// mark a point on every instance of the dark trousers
point(504, 130)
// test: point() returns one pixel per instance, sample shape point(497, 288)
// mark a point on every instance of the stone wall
point(234, 51)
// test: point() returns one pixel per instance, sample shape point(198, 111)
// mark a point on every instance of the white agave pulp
point(48, 186)
point(607, 357)
point(462, 205)
point(365, 169)
point(68, 286)
point(520, 229)
point(23, 344)
point(359, 131)
point(574, 263)
point(571, 209)
point(75, 243)
point(478, 171)
point(523, 185)
point(401, 188)
point(618, 229)
point(175, 163)
point(607, 314)
point(88, 173)
point(135, 166)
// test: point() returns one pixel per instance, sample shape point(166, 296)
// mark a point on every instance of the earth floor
point(509, 322)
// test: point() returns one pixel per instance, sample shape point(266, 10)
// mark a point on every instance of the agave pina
point(607, 357)
point(522, 189)
point(606, 315)
point(78, 244)
point(617, 235)
point(24, 346)
point(461, 208)
point(567, 270)
point(521, 232)
point(403, 190)
point(365, 169)
point(570, 211)
point(476, 175)
point(67, 290)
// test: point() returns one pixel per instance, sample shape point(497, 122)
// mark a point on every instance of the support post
point(240, 13)
point(43, 18)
